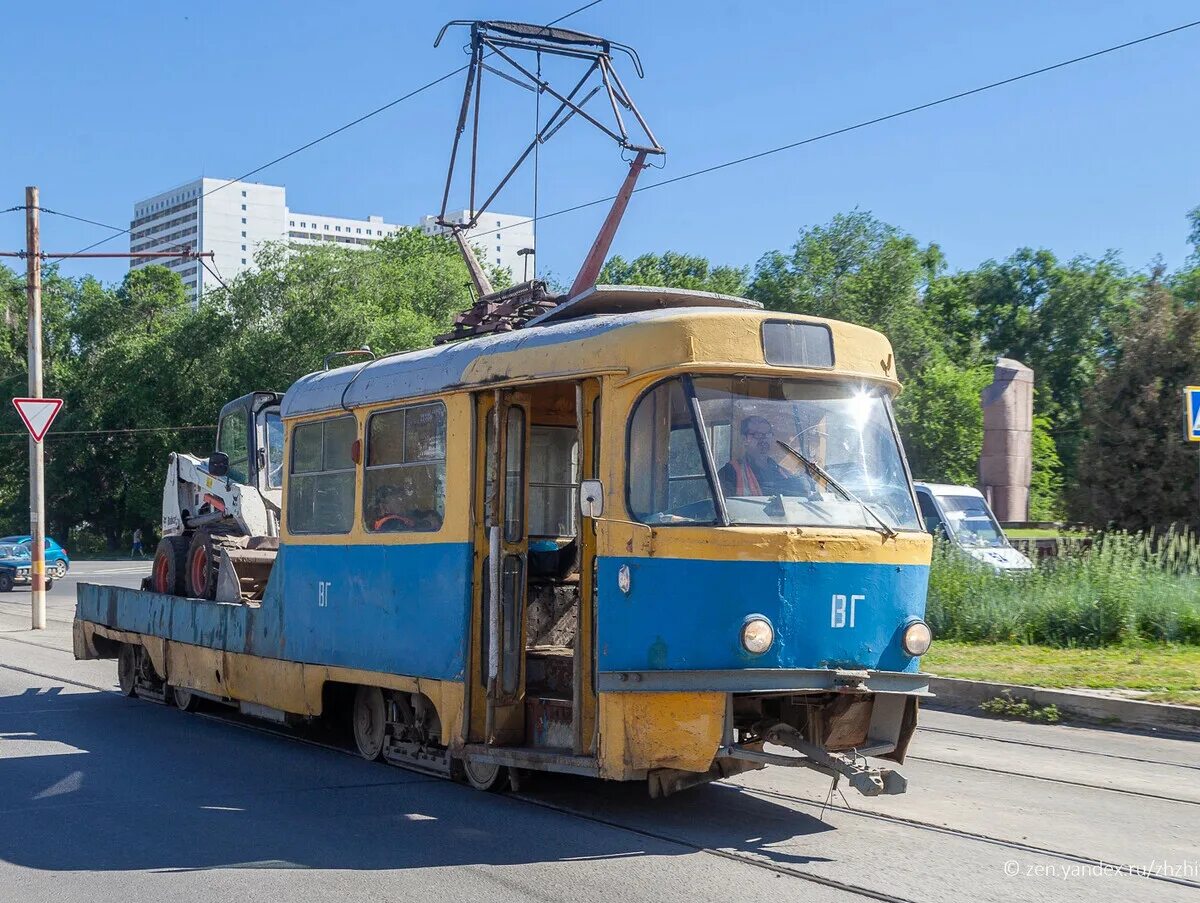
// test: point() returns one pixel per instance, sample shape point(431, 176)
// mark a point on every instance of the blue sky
point(137, 96)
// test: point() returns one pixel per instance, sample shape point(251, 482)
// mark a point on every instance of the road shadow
point(94, 781)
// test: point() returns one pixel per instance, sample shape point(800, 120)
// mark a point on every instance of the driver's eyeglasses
point(755, 434)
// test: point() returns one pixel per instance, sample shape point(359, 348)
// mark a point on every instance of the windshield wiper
point(815, 469)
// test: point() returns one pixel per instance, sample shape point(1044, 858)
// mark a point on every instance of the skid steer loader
point(220, 518)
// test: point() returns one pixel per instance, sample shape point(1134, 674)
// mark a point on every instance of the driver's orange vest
point(747, 482)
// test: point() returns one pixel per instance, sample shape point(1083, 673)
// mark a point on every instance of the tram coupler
point(867, 780)
point(864, 778)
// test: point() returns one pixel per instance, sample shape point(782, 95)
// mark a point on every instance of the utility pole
point(37, 472)
point(34, 257)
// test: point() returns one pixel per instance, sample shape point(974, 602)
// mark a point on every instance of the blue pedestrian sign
point(1191, 397)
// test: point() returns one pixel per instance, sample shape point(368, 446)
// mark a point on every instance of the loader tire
point(200, 576)
point(170, 562)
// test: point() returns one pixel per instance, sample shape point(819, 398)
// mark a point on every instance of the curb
point(957, 693)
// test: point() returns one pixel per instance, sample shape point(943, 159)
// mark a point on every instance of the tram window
point(404, 487)
point(514, 477)
point(661, 431)
point(511, 594)
point(596, 439)
point(321, 482)
point(553, 481)
point(686, 480)
point(788, 344)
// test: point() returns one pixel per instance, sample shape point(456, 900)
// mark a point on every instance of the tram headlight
point(757, 635)
point(917, 638)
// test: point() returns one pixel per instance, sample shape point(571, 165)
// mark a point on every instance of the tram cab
point(654, 535)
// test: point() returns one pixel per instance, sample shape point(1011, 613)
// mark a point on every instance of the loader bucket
point(243, 573)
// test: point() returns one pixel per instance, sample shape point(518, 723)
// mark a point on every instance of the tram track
point(732, 855)
point(1063, 781)
point(1051, 747)
point(1021, 846)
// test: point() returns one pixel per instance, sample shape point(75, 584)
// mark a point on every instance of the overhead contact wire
point(861, 125)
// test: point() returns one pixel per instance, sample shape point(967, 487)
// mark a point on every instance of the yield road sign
point(38, 414)
point(1191, 398)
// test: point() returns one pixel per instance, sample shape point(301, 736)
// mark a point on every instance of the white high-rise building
point(500, 237)
point(234, 219)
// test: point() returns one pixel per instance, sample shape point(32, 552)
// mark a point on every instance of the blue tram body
point(698, 607)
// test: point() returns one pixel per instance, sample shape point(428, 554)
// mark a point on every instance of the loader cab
point(250, 439)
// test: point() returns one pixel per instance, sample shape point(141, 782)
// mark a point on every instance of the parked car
point(14, 565)
point(960, 515)
point(57, 560)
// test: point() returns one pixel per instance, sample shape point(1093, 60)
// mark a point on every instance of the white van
point(961, 515)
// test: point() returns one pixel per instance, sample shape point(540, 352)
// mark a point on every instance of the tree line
point(144, 373)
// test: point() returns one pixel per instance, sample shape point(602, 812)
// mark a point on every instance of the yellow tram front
point(761, 570)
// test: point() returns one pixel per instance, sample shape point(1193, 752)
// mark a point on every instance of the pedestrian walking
point(137, 544)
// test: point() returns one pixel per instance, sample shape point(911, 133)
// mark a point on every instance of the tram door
point(501, 551)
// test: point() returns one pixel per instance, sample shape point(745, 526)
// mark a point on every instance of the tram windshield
point(748, 450)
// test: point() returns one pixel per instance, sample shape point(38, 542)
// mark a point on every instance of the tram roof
point(430, 371)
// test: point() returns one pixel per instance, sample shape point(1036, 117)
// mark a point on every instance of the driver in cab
point(397, 509)
point(756, 473)
point(390, 510)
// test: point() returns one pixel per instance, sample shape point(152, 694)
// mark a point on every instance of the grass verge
point(1124, 588)
point(1167, 673)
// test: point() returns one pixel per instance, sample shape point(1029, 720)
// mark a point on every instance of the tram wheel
point(185, 700)
point(127, 668)
point(369, 720)
point(486, 776)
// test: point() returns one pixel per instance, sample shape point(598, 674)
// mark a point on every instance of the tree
point(140, 369)
point(674, 270)
point(300, 304)
point(1046, 482)
point(1186, 283)
point(861, 270)
point(941, 421)
point(1136, 471)
point(1060, 319)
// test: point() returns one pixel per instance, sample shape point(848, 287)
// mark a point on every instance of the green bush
point(1122, 588)
point(1006, 706)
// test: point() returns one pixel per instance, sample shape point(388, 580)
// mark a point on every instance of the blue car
point(57, 560)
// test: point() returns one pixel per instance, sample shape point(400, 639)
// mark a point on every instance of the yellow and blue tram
point(653, 535)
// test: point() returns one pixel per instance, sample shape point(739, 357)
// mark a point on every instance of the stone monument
point(1005, 467)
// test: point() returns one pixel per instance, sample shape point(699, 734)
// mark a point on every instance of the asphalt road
point(107, 798)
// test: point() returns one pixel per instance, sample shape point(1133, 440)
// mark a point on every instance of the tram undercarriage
point(833, 733)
